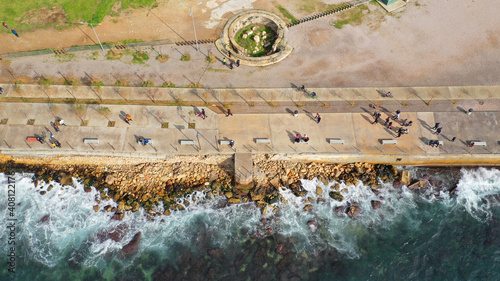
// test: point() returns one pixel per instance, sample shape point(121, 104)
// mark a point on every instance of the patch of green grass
point(186, 57)
point(287, 14)
point(353, 16)
point(110, 55)
point(71, 82)
point(94, 56)
point(162, 58)
point(131, 41)
point(209, 59)
point(219, 70)
point(147, 83)
point(120, 83)
point(97, 83)
point(249, 43)
point(66, 57)
point(140, 58)
point(17, 13)
point(46, 82)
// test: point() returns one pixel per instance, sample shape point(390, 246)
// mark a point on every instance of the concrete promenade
point(258, 114)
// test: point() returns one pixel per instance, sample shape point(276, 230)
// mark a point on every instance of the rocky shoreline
point(139, 183)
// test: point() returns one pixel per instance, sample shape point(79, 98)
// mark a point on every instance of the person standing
point(376, 119)
point(238, 63)
point(398, 113)
point(435, 126)
point(224, 60)
point(438, 131)
point(203, 115)
point(5, 25)
point(389, 126)
point(61, 122)
point(318, 118)
point(231, 143)
point(231, 65)
point(387, 120)
point(229, 53)
point(15, 32)
point(297, 138)
point(1, 90)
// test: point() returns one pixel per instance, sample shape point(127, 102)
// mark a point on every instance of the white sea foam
point(207, 222)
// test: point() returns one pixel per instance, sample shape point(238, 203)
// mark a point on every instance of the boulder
point(118, 232)
point(308, 207)
point(281, 249)
point(234, 200)
point(132, 247)
point(118, 216)
point(336, 196)
point(216, 253)
point(319, 190)
point(405, 178)
point(45, 219)
point(339, 210)
point(96, 208)
point(397, 184)
point(376, 204)
point(353, 211)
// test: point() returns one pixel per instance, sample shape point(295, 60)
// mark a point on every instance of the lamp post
point(194, 26)
point(92, 25)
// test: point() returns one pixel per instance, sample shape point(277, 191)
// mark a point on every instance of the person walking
point(5, 25)
point(238, 63)
point(128, 118)
point(231, 65)
point(318, 118)
point(231, 143)
point(435, 126)
point(376, 119)
point(229, 112)
point(224, 60)
point(203, 115)
point(453, 139)
point(297, 138)
point(438, 131)
point(398, 113)
point(1, 90)
point(387, 120)
point(229, 53)
point(389, 126)
point(15, 32)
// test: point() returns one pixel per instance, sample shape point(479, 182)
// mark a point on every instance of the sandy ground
point(434, 43)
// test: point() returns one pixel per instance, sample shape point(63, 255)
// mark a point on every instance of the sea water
point(424, 235)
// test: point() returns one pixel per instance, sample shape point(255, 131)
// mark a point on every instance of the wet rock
point(353, 211)
point(313, 225)
point(234, 200)
point(263, 221)
point(319, 190)
point(340, 210)
point(118, 216)
point(307, 207)
point(66, 179)
point(45, 219)
point(397, 184)
point(322, 179)
point(43, 192)
point(281, 249)
point(167, 212)
point(336, 196)
point(96, 208)
point(216, 253)
point(110, 179)
point(118, 232)
point(132, 247)
point(376, 204)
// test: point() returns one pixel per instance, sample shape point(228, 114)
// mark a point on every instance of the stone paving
point(353, 124)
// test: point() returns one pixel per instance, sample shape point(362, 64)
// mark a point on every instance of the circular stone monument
point(255, 37)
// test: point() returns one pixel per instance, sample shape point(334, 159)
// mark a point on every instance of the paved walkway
point(351, 122)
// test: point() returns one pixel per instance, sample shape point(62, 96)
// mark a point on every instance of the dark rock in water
point(281, 249)
point(119, 232)
point(425, 177)
point(185, 259)
point(263, 221)
point(397, 184)
point(353, 211)
point(132, 247)
point(216, 253)
point(166, 273)
point(432, 182)
point(43, 192)
point(376, 204)
point(45, 219)
point(339, 210)
point(313, 225)
point(118, 216)
point(336, 196)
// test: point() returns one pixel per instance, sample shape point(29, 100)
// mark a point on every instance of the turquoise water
point(426, 235)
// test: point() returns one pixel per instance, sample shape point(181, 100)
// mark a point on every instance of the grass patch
point(219, 70)
point(96, 83)
point(147, 83)
point(59, 14)
point(140, 57)
point(71, 82)
point(162, 58)
point(186, 57)
point(352, 16)
point(94, 56)
point(191, 125)
point(164, 125)
point(168, 85)
point(45, 82)
point(65, 58)
point(287, 14)
point(112, 55)
point(121, 83)
point(248, 42)
point(125, 41)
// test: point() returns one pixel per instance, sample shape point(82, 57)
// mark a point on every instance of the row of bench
point(260, 140)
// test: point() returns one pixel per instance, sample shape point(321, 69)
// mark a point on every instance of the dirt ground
point(427, 43)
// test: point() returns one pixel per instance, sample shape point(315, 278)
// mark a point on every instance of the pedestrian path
point(170, 127)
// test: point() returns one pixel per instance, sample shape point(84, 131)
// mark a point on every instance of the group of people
point(437, 129)
point(224, 61)
point(298, 139)
point(388, 123)
point(12, 30)
point(312, 95)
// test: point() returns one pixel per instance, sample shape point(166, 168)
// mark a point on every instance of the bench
point(28, 139)
point(478, 143)
point(262, 141)
point(336, 141)
point(185, 142)
point(389, 141)
point(224, 142)
point(91, 140)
